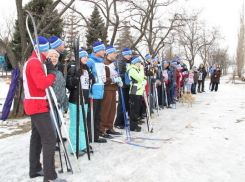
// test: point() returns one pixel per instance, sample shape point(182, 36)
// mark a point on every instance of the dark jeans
point(172, 91)
point(168, 95)
point(135, 103)
point(201, 82)
point(120, 118)
point(193, 88)
point(159, 92)
point(42, 137)
point(97, 106)
point(214, 86)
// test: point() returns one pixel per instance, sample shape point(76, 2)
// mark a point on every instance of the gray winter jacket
point(122, 63)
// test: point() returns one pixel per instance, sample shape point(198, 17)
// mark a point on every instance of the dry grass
point(19, 129)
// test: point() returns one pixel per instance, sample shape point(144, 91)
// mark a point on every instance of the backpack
point(128, 80)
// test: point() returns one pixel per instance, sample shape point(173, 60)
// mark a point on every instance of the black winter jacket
point(122, 63)
point(71, 75)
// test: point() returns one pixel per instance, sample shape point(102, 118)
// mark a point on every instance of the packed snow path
point(207, 146)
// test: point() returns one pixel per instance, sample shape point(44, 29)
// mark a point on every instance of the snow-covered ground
point(207, 146)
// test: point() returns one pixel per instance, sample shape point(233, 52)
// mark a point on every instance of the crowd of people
point(100, 74)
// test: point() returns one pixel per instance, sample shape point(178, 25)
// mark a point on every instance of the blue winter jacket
point(98, 90)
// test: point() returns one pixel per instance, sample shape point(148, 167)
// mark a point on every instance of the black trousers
point(120, 118)
point(42, 137)
point(135, 105)
point(168, 90)
point(214, 86)
point(201, 82)
point(97, 106)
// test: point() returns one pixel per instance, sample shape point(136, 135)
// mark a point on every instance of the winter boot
point(40, 173)
point(57, 180)
point(136, 129)
point(113, 132)
point(105, 135)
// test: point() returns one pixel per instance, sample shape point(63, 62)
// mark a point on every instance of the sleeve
point(108, 78)
point(121, 69)
point(40, 79)
point(70, 76)
point(139, 76)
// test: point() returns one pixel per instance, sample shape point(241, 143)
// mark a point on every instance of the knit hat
point(43, 44)
point(110, 49)
point(82, 53)
point(181, 61)
point(214, 65)
point(178, 66)
point(165, 61)
point(52, 51)
point(55, 42)
point(153, 59)
point(147, 56)
point(174, 63)
point(126, 51)
point(135, 60)
point(178, 58)
point(184, 65)
point(98, 46)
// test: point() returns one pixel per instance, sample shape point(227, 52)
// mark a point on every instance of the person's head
point(183, 65)
point(111, 53)
point(174, 63)
point(68, 57)
point(148, 58)
point(155, 62)
point(181, 62)
point(136, 61)
point(99, 49)
point(201, 65)
point(53, 55)
point(43, 45)
point(83, 56)
point(214, 66)
point(165, 63)
point(178, 59)
point(217, 69)
point(178, 67)
point(127, 53)
point(57, 44)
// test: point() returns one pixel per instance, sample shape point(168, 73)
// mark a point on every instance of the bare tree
point(26, 48)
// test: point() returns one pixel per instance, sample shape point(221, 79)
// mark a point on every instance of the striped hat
point(43, 44)
point(165, 61)
point(174, 63)
point(135, 60)
point(110, 49)
point(55, 42)
point(98, 46)
point(147, 56)
point(126, 51)
point(178, 58)
point(82, 53)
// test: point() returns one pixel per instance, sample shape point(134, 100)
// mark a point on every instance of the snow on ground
point(207, 146)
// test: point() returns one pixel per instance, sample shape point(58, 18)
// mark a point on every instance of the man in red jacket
point(36, 105)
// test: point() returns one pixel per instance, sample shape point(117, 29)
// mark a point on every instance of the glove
point(60, 67)
point(117, 79)
point(144, 83)
point(91, 77)
point(78, 73)
point(50, 67)
point(120, 84)
point(148, 73)
point(74, 81)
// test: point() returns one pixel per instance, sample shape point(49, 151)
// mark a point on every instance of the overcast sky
point(222, 13)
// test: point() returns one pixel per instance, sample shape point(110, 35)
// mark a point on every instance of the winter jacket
point(69, 84)
point(167, 75)
point(203, 72)
point(180, 78)
point(173, 73)
point(211, 70)
point(137, 77)
point(59, 87)
point(157, 74)
point(35, 84)
point(196, 76)
point(110, 74)
point(123, 64)
point(98, 87)
point(215, 78)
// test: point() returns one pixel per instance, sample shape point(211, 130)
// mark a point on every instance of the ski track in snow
point(207, 146)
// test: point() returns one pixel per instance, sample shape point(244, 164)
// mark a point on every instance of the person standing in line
point(215, 79)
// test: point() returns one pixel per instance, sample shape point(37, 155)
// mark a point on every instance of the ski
point(134, 144)
point(149, 121)
point(80, 95)
point(157, 139)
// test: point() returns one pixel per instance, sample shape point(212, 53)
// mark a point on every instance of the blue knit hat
point(153, 59)
point(174, 63)
point(178, 66)
point(214, 65)
point(55, 42)
point(135, 60)
point(82, 53)
point(158, 58)
point(126, 51)
point(110, 49)
point(165, 61)
point(98, 46)
point(147, 56)
point(43, 44)
point(178, 58)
